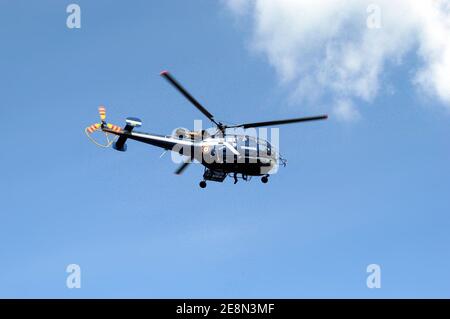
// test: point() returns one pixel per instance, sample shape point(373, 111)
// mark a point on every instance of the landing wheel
point(264, 179)
point(202, 184)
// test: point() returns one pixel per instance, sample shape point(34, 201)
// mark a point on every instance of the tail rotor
point(98, 126)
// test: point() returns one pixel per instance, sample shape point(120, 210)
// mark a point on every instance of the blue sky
point(354, 193)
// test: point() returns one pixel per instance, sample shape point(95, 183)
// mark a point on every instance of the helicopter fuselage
point(243, 154)
point(230, 153)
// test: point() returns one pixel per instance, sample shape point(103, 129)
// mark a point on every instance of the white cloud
point(326, 47)
point(346, 111)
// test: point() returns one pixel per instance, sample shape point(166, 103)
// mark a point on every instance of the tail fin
point(132, 122)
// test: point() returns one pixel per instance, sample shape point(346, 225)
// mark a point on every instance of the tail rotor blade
point(94, 127)
point(102, 112)
point(114, 128)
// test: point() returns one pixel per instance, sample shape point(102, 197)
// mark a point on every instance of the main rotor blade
point(187, 95)
point(280, 122)
point(181, 168)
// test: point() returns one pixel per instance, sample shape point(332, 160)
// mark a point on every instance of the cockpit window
point(264, 147)
point(254, 146)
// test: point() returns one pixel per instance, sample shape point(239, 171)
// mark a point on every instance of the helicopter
point(221, 152)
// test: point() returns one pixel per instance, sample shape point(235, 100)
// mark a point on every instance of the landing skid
point(219, 176)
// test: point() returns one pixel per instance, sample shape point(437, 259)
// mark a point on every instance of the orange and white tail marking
point(94, 127)
point(102, 112)
point(113, 127)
